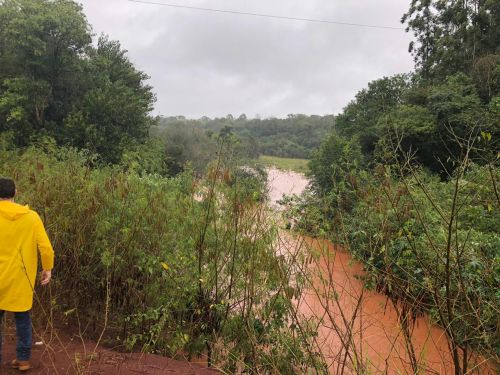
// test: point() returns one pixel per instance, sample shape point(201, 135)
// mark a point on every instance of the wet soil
point(65, 354)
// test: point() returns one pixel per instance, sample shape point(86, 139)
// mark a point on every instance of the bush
point(166, 265)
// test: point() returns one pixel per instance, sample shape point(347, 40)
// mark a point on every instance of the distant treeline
point(295, 136)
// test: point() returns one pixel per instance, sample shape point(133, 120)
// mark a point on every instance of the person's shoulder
point(33, 215)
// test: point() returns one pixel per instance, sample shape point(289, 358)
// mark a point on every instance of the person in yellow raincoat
point(22, 236)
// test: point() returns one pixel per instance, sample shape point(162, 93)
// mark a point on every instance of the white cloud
point(213, 64)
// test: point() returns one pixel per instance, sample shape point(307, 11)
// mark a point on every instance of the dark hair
point(7, 188)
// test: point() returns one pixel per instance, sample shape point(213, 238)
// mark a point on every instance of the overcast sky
point(213, 64)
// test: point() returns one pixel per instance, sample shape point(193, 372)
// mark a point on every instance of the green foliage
point(409, 180)
point(334, 162)
point(427, 121)
point(402, 235)
point(54, 82)
point(147, 158)
point(412, 129)
point(185, 144)
point(359, 118)
point(113, 113)
point(176, 265)
point(451, 35)
point(294, 137)
point(250, 184)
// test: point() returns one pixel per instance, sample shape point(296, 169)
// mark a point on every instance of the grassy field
point(288, 164)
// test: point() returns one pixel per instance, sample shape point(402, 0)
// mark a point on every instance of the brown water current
point(360, 331)
point(284, 183)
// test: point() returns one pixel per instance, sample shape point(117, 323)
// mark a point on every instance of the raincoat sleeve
point(44, 246)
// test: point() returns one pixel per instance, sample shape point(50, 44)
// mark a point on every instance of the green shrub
point(166, 265)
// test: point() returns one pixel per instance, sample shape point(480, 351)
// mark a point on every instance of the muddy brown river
point(357, 328)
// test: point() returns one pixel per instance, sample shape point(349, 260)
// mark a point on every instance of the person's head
point(7, 188)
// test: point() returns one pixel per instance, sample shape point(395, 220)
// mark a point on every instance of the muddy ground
point(66, 354)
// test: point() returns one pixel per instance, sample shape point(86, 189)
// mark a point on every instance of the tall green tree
point(361, 115)
point(452, 34)
point(333, 161)
point(40, 47)
point(113, 113)
point(54, 82)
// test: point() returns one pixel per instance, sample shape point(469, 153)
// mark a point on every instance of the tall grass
point(287, 164)
point(174, 266)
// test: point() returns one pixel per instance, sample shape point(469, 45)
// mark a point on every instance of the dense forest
point(162, 242)
point(295, 136)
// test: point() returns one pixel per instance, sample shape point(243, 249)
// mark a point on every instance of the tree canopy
point(295, 136)
point(54, 82)
point(452, 35)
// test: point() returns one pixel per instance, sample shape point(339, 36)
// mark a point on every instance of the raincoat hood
point(12, 211)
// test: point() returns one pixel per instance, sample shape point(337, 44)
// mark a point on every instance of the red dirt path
point(64, 354)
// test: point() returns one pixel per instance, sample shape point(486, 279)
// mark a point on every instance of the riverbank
point(360, 330)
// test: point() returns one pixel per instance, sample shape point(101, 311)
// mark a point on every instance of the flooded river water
point(358, 328)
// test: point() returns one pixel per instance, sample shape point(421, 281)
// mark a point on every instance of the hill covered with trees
point(295, 136)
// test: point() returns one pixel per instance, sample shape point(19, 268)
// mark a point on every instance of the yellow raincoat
point(21, 234)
